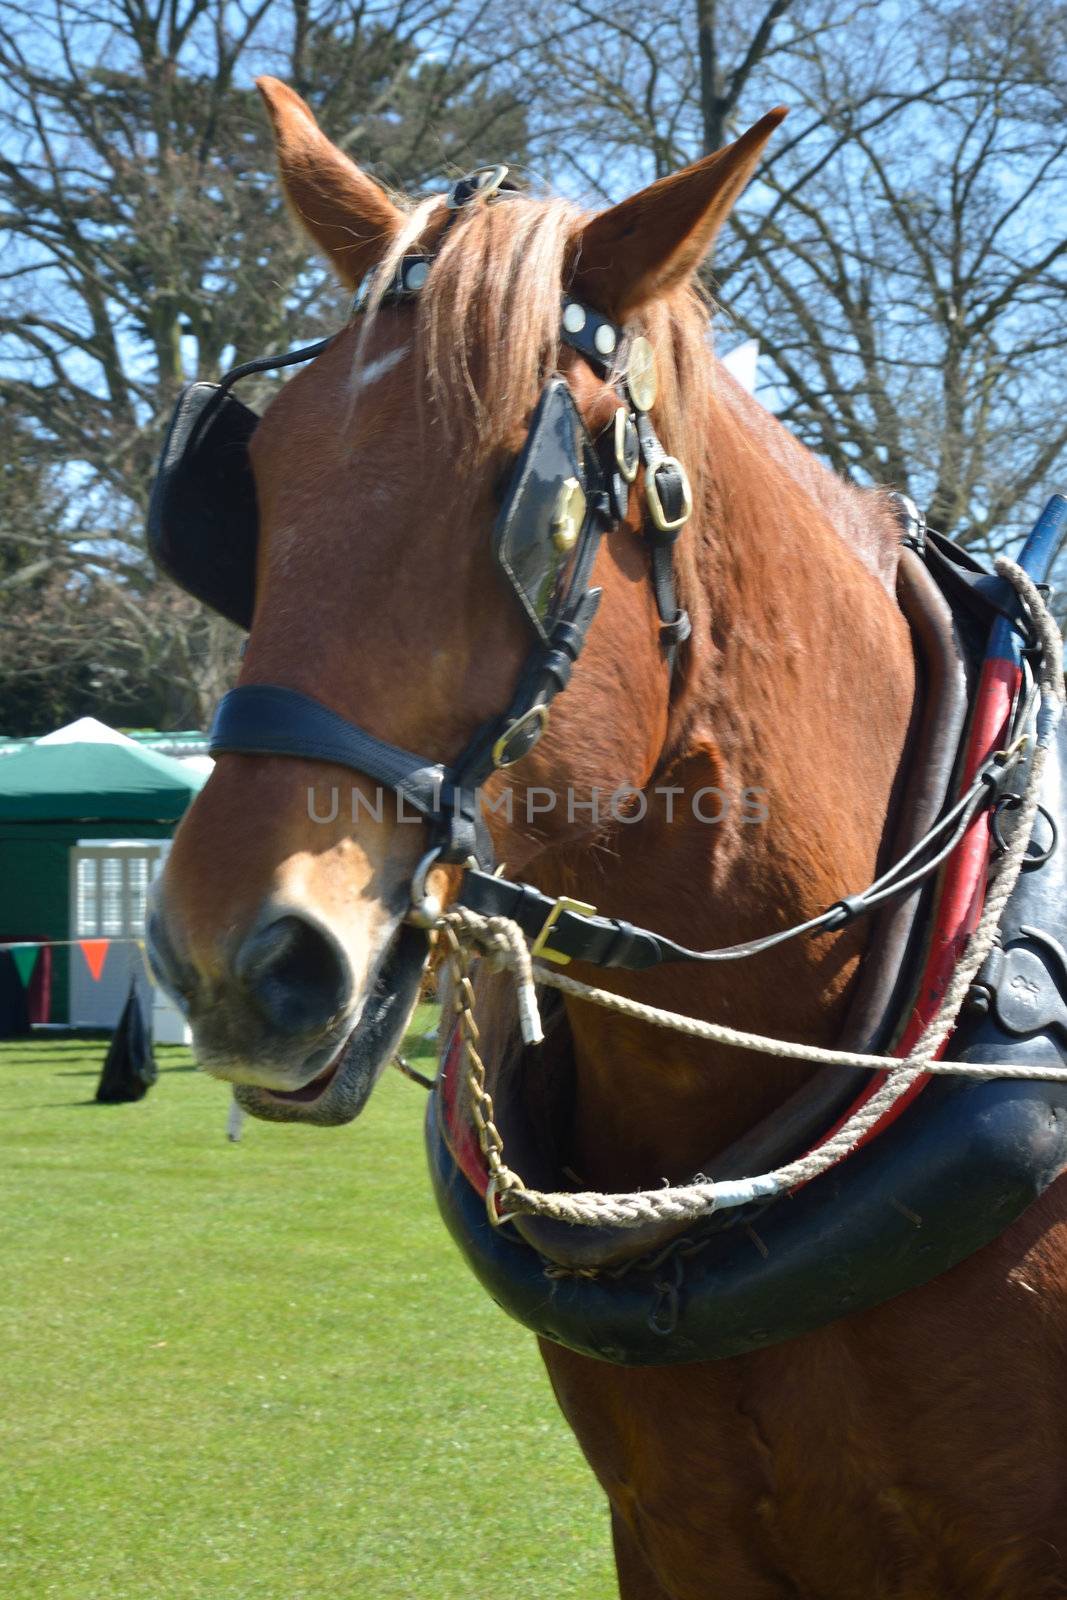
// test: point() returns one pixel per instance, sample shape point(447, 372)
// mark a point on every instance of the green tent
point(54, 796)
point(94, 782)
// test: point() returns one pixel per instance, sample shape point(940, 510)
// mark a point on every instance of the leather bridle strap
point(564, 930)
point(264, 719)
point(267, 719)
point(669, 503)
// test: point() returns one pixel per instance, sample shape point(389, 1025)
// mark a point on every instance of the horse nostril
point(297, 974)
point(175, 976)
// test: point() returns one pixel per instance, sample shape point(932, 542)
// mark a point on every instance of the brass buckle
point(627, 468)
point(1013, 751)
point(655, 504)
point(492, 1189)
point(564, 903)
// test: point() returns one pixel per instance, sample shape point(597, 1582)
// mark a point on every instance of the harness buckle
point(481, 184)
point(492, 1189)
point(520, 736)
point(627, 447)
point(656, 508)
point(539, 946)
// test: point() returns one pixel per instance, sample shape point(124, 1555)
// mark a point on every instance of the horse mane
point(487, 335)
point(487, 328)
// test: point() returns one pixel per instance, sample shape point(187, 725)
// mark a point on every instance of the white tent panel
point(109, 883)
point(87, 730)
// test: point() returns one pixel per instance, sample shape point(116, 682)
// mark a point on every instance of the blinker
point(538, 536)
point(203, 525)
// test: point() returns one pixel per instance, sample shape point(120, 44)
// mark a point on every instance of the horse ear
point(347, 214)
point(654, 241)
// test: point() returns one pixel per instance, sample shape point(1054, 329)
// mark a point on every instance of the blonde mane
point(488, 324)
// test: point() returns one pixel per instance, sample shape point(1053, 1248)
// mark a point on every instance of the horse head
point(282, 924)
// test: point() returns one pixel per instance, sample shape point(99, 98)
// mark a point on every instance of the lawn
point(259, 1371)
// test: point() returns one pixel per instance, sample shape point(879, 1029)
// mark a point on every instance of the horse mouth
point(341, 1089)
point(311, 1091)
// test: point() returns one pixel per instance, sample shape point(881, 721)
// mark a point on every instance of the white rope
point(503, 942)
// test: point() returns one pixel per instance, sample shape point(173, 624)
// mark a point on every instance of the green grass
point(259, 1371)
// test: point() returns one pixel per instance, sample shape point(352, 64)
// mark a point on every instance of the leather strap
point(265, 719)
point(963, 579)
point(560, 930)
point(672, 489)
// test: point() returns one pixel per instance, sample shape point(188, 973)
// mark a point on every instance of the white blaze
point(378, 368)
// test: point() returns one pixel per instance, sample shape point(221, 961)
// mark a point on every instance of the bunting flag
point(25, 958)
point(95, 953)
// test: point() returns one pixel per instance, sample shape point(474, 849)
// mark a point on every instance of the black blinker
point(203, 525)
point(534, 551)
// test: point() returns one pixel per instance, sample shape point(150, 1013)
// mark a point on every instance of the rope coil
point(503, 943)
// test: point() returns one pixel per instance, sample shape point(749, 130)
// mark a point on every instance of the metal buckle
point(475, 190)
point(627, 463)
point(538, 714)
point(564, 903)
point(492, 1189)
point(425, 908)
point(655, 505)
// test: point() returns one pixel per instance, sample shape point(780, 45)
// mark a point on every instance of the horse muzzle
point(282, 1016)
point(338, 1093)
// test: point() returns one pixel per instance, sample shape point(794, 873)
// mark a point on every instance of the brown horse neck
point(795, 707)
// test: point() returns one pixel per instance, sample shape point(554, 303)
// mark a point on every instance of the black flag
point(130, 1067)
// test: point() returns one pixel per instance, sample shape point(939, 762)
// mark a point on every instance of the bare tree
point(901, 256)
point(626, 93)
point(905, 269)
point(146, 243)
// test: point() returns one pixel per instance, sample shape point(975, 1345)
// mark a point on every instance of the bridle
point(567, 491)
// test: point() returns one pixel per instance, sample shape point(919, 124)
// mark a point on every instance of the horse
point(913, 1449)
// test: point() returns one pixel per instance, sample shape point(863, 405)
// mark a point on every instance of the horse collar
point(957, 1167)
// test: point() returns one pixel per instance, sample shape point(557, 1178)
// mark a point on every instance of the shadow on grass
point(91, 1072)
point(72, 1105)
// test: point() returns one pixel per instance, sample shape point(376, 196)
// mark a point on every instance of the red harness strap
point(962, 893)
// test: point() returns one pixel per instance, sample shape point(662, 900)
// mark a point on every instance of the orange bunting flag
point(95, 953)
